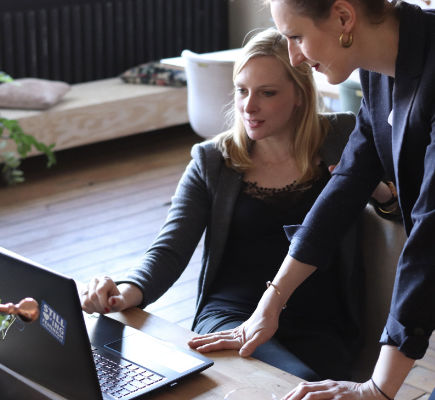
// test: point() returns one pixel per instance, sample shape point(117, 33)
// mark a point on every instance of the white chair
point(209, 92)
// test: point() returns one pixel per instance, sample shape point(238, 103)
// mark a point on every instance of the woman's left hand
point(246, 338)
point(326, 390)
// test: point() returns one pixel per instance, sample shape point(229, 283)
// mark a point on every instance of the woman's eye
point(240, 90)
point(269, 93)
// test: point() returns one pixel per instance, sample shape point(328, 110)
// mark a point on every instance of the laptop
point(82, 356)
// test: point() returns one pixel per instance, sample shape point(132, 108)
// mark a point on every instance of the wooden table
point(231, 371)
point(228, 372)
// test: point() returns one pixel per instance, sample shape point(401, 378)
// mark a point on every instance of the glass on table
point(251, 393)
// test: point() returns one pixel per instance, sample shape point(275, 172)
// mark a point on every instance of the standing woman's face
point(315, 43)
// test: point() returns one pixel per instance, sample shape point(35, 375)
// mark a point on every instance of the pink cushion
point(32, 93)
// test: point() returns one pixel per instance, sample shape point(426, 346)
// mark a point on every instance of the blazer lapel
point(409, 66)
point(227, 191)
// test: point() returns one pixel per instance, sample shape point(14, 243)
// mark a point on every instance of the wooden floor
point(99, 209)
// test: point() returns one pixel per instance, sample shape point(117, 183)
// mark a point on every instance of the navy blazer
point(404, 152)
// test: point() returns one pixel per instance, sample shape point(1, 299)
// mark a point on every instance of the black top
point(256, 247)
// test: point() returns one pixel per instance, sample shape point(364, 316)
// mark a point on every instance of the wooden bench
point(105, 109)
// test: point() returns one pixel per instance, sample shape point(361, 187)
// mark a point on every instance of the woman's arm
point(171, 250)
point(263, 323)
point(389, 374)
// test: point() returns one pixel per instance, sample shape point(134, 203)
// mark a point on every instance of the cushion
point(155, 73)
point(32, 93)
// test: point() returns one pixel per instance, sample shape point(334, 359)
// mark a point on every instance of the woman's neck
point(271, 152)
point(378, 45)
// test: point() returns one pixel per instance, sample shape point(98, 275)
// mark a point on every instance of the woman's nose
point(250, 104)
point(295, 54)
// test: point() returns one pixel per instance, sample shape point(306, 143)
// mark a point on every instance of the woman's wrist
point(133, 296)
point(271, 304)
point(385, 193)
point(390, 371)
point(290, 275)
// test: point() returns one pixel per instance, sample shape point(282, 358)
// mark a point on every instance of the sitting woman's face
point(265, 98)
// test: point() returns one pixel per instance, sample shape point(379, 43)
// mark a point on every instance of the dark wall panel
point(83, 40)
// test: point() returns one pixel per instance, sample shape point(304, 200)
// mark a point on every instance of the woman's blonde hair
point(309, 126)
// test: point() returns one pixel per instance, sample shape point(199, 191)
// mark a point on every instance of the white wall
point(244, 16)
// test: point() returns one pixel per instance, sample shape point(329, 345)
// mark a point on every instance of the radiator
point(78, 41)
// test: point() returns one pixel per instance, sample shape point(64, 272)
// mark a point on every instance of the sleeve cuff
point(413, 342)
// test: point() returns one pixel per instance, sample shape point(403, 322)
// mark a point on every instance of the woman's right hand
point(102, 295)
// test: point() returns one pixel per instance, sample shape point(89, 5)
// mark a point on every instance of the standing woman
point(394, 45)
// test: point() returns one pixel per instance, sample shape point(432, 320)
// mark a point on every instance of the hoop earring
point(349, 41)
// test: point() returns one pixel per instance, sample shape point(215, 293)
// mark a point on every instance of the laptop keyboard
point(121, 378)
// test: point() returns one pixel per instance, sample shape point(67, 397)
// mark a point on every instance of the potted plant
point(10, 161)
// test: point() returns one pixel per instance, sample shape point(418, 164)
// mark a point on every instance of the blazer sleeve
point(170, 253)
point(411, 320)
point(342, 199)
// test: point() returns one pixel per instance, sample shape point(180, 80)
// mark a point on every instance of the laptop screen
point(53, 350)
point(58, 349)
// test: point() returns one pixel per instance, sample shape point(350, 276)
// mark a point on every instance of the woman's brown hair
point(310, 127)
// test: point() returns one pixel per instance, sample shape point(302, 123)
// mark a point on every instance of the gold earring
point(349, 41)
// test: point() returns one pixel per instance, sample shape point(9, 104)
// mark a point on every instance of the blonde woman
point(241, 188)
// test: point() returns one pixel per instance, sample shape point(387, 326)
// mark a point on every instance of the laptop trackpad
point(145, 350)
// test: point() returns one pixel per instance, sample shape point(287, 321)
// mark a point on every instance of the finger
point(250, 345)
point(211, 337)
point(116, 303)
point(86, 296)
point(102, 291)
point(223, 333)
point(96, 300)
point(105, 289)
point(195, 344)
point(322, 390)
point(331, 168)
point(222, 344)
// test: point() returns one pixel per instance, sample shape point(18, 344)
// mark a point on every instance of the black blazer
point(404, 152)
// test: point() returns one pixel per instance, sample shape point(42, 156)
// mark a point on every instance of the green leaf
point(24, 143)
point(5, 77)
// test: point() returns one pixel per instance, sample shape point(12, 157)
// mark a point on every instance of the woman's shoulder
point(208, 159)
point(207, 151)
point(342, 123)
point(341, 126)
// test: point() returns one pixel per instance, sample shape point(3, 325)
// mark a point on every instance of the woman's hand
point(102, 295)
point(263, 323)
point(246, 338)
point(328, 389)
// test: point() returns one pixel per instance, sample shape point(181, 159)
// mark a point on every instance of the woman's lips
point(254, 123)
point(316, 66)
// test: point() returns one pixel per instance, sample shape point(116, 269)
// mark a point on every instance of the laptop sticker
point(53, 322)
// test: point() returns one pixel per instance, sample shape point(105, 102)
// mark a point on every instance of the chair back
point(382, 245)
point(209, 93)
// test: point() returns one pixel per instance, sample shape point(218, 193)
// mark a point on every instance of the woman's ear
point(344, 12)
